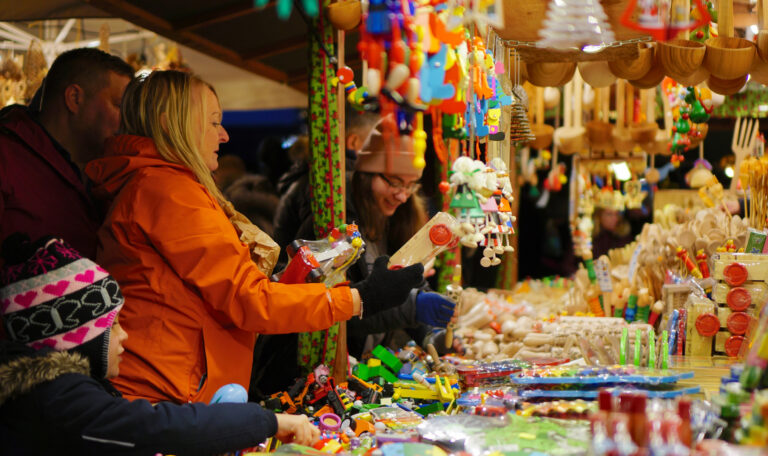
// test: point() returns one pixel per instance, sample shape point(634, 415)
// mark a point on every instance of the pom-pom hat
point(51, 297)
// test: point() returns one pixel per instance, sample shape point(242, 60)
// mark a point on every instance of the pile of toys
point(384, 392)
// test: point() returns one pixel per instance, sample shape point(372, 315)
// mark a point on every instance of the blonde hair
point(160, 106)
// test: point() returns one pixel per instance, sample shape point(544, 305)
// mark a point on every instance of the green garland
point(325, 175)
point(753, 102)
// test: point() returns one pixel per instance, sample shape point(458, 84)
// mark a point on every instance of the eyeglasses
point(398, 186)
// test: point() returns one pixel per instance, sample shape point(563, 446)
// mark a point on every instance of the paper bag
point(264, 251)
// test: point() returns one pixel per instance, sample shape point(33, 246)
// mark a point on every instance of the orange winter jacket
point(194, 300)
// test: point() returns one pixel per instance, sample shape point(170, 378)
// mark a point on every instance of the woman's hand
point(433, 309)
point(385, 288)
point(296, 429)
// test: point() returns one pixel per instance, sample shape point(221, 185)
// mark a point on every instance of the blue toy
point(432, 77)
point(230, 393)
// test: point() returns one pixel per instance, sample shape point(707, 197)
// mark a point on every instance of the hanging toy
point(466, 177)
point(356, 96)
point(490, 229)
point(504, 198)
point(676, 159)
point(698, 113)
point(419, 141)
point(464, 200)
point(492, 119)
point(682, 126)
point(653, 19)
point(704, 32)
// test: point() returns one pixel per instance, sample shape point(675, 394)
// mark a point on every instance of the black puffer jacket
point(49, 405)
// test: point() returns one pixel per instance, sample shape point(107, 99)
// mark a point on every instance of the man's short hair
point(87, 67)
point(356, 120)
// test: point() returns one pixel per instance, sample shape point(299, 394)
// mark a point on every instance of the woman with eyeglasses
point(383, 200)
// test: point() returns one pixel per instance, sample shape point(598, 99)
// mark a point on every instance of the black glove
point(385, 288)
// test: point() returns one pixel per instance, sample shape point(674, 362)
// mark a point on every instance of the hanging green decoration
point(325, 177)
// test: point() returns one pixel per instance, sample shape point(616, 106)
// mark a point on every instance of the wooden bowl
point(643, 133)
point(759, 71)
point(622, 141)
point(344, 14)
point(524, 19)
point(726, 86)
point(660, 144)
point(570, 140)
point(729, 58)
point(597, 73)
point(543, 134)
point(550, 74)
point(762, 44)
point(681, 58)
point(599, 133)
point(634, 68)
point(698, 76)
point(654, 76)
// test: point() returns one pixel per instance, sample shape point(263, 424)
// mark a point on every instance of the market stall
point(657, 347)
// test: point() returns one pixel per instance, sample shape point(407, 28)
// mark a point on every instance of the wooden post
point(725, 18)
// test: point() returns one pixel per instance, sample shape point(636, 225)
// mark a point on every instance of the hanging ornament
point(633, 194)
point(653, 18)
point(703, 33)
point(698, 113)
point(575, 24)
point(419, 142)
point(520, 130)
point(682, 126)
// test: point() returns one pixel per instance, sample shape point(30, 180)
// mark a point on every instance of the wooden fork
point(743, 143)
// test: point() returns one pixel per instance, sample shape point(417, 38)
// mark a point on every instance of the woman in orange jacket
point(194, 298)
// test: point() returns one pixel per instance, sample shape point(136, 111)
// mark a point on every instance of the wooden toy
point(434, 237)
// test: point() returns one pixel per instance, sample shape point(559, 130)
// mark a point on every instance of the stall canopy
point(230, 30)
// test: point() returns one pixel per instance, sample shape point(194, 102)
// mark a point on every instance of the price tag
point(633, 262)
point(603, 276)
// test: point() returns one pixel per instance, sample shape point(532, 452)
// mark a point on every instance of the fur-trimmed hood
point(21, 374)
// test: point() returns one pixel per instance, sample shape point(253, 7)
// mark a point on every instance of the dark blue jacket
point(49, 405)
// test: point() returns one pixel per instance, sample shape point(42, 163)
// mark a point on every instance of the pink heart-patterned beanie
point(52, 298)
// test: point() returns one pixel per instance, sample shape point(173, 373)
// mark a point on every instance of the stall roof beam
point(276, 49)
point(143, 18)
point(222, 14)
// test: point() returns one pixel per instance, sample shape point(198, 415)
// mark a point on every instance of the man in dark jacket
point(43, 148)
